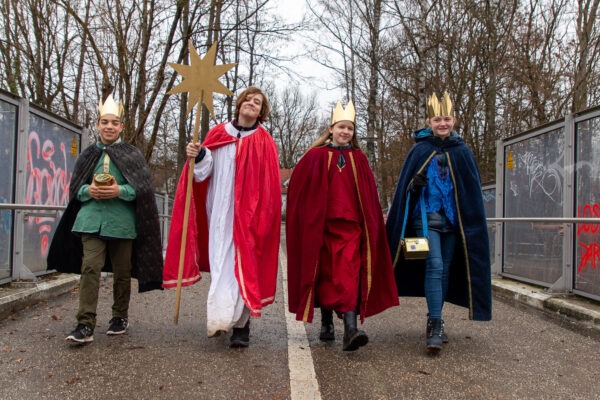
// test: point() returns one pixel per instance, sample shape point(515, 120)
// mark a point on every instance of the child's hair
point(325, 139)
point(265, 109)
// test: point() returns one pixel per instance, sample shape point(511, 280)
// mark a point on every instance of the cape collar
point(331, 145)
point(103, 146)
point(426, 135)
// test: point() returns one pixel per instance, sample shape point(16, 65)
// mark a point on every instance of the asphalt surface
point(533, 351)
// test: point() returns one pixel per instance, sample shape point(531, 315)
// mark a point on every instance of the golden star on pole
point(201, 78)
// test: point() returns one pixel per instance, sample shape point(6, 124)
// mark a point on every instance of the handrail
point(43, 207)
point(40, 207)
point(549, 220)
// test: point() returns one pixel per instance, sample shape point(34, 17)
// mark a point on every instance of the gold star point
point(201, 78)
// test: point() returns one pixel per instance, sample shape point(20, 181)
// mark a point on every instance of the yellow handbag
point(415, 248)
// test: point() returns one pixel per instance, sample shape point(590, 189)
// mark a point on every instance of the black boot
point(241, 336)
point(327, 330)
point(434, 334)
point(353, 337)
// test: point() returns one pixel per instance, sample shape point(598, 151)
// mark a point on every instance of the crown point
point(343, 114)
point(435, 108)
point(110, 106)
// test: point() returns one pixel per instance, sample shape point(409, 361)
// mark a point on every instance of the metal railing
point(548, 220)
point(14, 245)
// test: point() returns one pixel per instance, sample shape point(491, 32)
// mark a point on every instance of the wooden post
point(186, 212)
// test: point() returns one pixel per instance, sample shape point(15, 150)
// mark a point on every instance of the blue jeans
point(437, 268)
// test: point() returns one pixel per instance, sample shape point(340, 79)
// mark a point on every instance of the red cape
point(257, 220)
point(305, 224)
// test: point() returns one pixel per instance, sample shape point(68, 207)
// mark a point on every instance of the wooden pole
point(186, 212)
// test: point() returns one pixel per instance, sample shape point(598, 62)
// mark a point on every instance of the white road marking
point(303, 379)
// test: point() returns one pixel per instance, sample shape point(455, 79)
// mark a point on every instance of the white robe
point(225, 307)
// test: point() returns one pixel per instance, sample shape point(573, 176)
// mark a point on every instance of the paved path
point(521, 354)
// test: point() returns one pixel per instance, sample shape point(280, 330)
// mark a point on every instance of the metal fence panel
point(489, 203)
point(8, 133)
point(38, 151)
point(533, 187)
point(52, 148)
point(587, 237)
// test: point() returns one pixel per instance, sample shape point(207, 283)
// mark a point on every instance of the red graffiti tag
point(47, 180)
point(589, 252)
point(589, 211)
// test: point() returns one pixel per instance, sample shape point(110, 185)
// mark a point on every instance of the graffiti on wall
point(48, 174)
point(546, 178)
point(590, 251)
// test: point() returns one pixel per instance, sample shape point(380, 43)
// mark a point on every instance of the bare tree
point(294, 123)
point(248, 36)
point(352, 31)
point(335, 42)
point(509, 66)
point(40, 54)
point(587, 47)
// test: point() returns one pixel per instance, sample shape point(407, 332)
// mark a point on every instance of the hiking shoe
point(81, 334)
point(434, 337)
point(444, 335)
point(118, 326)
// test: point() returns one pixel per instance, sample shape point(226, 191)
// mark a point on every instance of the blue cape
point(470, 274)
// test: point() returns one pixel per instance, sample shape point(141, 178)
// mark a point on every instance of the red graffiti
point(589, 211)
point(43, 230)
point(47, 180)
point(590, 253)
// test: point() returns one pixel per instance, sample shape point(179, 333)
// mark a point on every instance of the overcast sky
point(318, 77)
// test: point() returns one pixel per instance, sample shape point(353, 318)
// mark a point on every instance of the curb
point(40, 291)
point(579, 311)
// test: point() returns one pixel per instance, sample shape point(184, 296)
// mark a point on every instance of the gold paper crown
point(341, 114)
point(110, 106)
point(437, 109)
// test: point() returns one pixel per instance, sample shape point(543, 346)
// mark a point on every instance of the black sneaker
point(240, 336)
point(81, 334)
point(118, 326)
